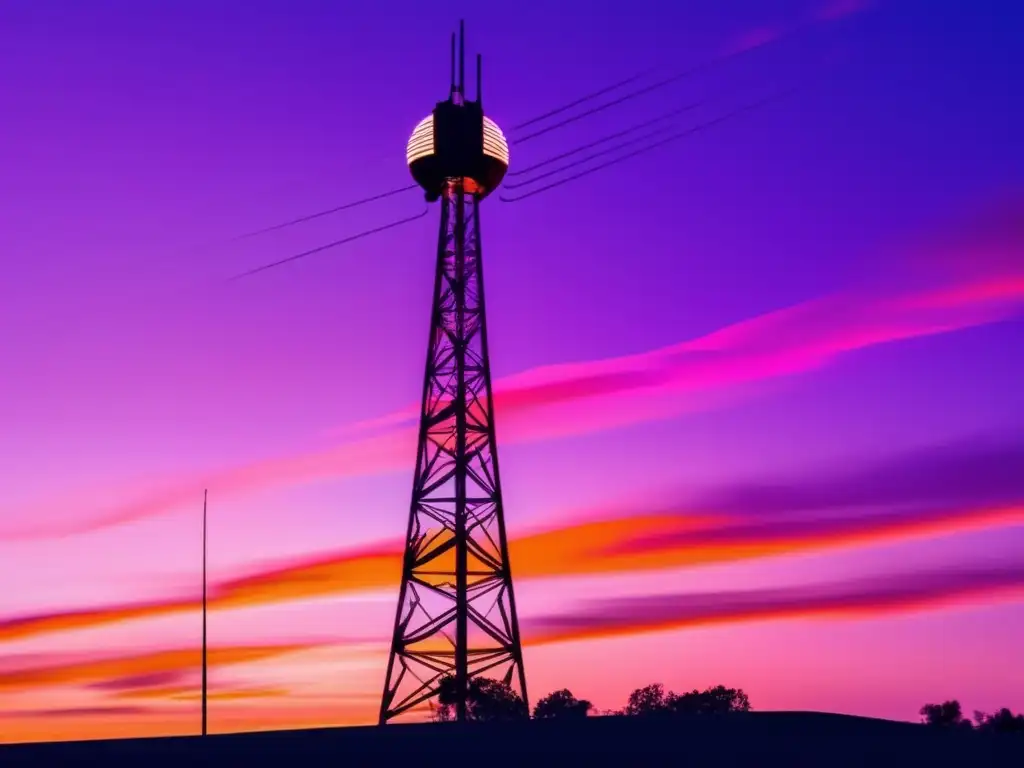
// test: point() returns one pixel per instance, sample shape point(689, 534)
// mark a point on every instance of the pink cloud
point(584, 397)
point(853, 599)
point(1006, 288)
point(783, 342)
point(368, 456)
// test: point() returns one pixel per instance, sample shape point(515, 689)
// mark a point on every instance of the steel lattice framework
point(456, 612)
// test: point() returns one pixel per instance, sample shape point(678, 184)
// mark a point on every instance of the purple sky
point(138, 139)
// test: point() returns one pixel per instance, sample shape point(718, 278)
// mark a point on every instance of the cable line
point(675, 137)
point(585, 98)
point(336, 209)
point(335, 244)
point(715, 60)
point(603, 139)
point(706, 64)
point(591, 156)
point(550, 113)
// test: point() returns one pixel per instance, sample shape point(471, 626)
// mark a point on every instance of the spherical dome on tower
point(439, 151)
point(495, 144)
point(421, 143)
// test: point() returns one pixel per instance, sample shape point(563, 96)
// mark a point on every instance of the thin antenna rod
point(204, 613)
point(454, 86)
point(462, 58)
point(479, 81)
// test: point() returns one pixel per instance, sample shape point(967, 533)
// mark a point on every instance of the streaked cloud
point(75, 712)
point(976, 472)
point(940, 490)
point(145, 681)
point(192, 693)
point(584, 397)
point(125, 722)
point(104, 668)
point(855, 598)
point(363, 457)
point(619, 545)
point(848, 599)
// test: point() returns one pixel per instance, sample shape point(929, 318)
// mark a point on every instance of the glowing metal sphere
point(495, 144)
point(431, 170)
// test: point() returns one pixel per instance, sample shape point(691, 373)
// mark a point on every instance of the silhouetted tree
point(562, 704)
point(1003, 721)
point(649, 700)
point(486, 699)
point(945, 715)
point(711, 701)
point(653, 699)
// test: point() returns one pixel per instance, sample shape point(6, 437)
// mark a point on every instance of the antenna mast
point(462, 62)
point(479, 81)
point(455, 86)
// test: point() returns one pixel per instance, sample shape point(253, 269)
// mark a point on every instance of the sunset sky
point(759, 391)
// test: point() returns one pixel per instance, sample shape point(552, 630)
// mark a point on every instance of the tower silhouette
point(456, 616)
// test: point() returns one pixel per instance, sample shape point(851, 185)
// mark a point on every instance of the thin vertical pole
point(455, 86)
point(204, 614)
point(462, 60)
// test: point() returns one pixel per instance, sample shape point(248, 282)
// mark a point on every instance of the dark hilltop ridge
point(784, 739)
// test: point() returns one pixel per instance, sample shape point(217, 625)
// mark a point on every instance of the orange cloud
point(191, 693)
point(605, 546)
point(663, 542)
point(124, 722)
point(595, 620)
point(340, 573)
point(132, 695)
point(113, 667)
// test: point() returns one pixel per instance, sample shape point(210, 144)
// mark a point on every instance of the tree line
point(949, 714)
point(489, 699)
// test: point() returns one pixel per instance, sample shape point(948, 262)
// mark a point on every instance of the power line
point(551, 113)
point(675, 137)
point(335, 244)
point(794, 29)
point(336, 209)
point(585, 98)
point(409, 187)
point(719, 59)
point(603, 139)
point(715, 60)
point(592, 156)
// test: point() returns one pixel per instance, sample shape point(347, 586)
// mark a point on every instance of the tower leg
point(456, 617)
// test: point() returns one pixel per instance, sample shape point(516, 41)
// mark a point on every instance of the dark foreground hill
point(784, 739)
